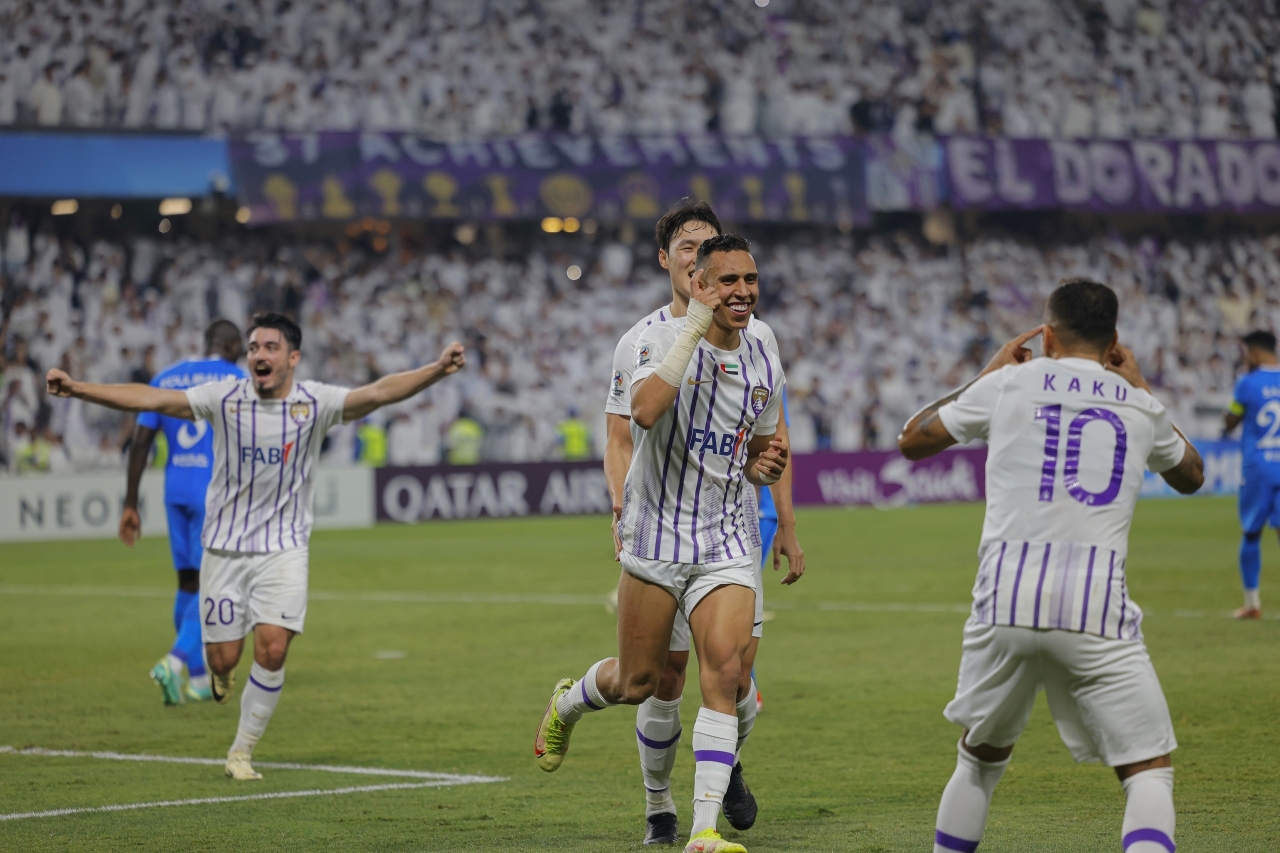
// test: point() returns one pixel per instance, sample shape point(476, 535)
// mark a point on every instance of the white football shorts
point(239, 590)
point(680, 636)
point(1103, 693)
point(691, 582)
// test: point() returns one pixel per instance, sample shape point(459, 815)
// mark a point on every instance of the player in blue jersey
point(186, 479)
point(1256, 404)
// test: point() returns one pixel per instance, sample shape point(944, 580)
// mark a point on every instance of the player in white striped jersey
point(267, 435)
point(679, 233)
point(1068, 436)
point(706, 396)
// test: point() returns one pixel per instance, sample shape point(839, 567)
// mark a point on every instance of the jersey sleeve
point(330, 401)
point(1167, 447)
point(968, 417)
point(205, 399)
point(649, 350)
point(150, 420)
point(765, 334)
point(767, 423)
point(618, 402)
point(1238, 406)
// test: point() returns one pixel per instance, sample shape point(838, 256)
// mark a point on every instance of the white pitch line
point(450, 778)
point(400, 597)
point(279, 795)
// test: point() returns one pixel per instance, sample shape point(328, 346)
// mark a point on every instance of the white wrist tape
point(677, 359)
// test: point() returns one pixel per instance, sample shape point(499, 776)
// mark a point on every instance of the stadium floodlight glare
point(553, 225)
point(571, 225)
point(64, 207)
point(762, 3)
point(242, 215)
point(574, 272)
point(164, 226)
point(175, 206)
point(465, 234)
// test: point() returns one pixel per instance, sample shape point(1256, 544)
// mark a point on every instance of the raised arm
point(130, 397)
point(617, 461)
point(395, 387)
point(925, 435)
point(653, 396)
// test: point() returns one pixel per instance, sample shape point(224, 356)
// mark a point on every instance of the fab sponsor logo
point(709, 441)
point(266, 455)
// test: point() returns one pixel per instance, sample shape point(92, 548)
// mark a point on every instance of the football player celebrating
point(1051, 608)
point(267, 435)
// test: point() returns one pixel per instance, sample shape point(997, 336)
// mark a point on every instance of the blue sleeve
point(1239, 397)
point(150, 420)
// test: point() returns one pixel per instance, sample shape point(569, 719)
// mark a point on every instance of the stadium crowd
point(456, 68)
point(870, 328)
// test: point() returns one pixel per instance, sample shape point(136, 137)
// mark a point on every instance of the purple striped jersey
point(1068, 442)
point(264, 455)
point(618, 400)
point(686, 497)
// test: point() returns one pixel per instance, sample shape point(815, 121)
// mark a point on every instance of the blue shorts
point(768, 530)
point(185, 525)
point(1259, 503)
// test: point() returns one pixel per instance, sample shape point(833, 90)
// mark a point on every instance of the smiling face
point(737, 282)
point(271, 362)
point(681, 254)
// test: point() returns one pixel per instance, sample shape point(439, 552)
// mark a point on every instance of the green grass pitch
point(850, 753)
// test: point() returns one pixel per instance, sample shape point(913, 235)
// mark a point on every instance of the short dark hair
point(721, 243)
point(284, 325)
point(221, 336)
point(1084, 311)
point(686, 210)
point(1260, 340)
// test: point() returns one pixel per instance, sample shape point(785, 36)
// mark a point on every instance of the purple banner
point(493, 491)
point(904, 174)
point(884, 478)
point(1190, 176)
point(346, 175)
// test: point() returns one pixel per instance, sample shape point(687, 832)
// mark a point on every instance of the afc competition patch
point(300, 412)
point(759, 399)
point(617, 383)
point(643, 355)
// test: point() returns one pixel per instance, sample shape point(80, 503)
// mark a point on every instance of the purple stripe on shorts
point(1106, 601)
point(258, 684)
point(950, 842)
point(658, 744)
point(1124, 602)
point(1148, 834)
point(593, 706)
point(714, 755)
point(1088, 587)
point(1017, 581)
point(995, 587)
point(1044, 570)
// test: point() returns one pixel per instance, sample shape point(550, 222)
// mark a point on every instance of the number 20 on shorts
point(223, 608)
point(1052, 416)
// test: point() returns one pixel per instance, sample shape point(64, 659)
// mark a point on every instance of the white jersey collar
point(1081, 363)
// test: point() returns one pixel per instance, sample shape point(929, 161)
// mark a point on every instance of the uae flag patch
point(729, 368)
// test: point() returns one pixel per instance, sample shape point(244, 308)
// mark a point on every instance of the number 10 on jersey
point(1052, 416)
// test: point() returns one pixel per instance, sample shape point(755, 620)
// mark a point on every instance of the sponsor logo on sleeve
point(644, 355)
point(617, 383)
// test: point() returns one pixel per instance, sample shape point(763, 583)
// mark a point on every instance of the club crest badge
point(759, 399)
point(300, 412)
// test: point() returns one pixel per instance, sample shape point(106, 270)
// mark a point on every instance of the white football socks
point(1148, 814)
point(962, 814)
point(582, 697)
point(658, 735)
point(746, 718)
point(1253, 599)
point(714, 738)
point(257, 704)
point(177, 664)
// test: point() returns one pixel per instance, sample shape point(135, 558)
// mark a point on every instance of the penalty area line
point(277, 795)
